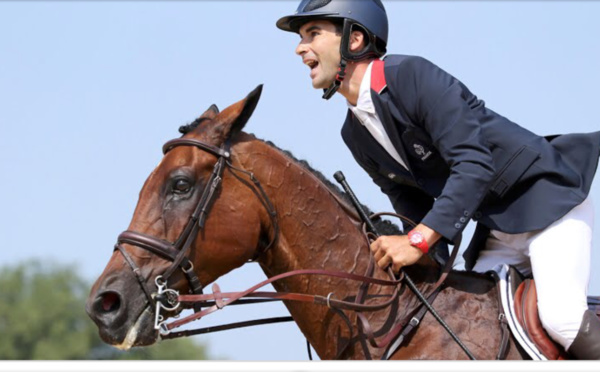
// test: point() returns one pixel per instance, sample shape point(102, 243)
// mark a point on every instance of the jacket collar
point(364, 102)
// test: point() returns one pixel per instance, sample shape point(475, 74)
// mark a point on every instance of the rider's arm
point(444, 108)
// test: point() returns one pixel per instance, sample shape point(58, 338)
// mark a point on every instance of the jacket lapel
point(393, 130)
point(386, 162)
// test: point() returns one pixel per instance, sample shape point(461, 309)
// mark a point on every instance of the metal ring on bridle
point(163, 329)
point(168, 299)
point(160, 278)
point(188, 269)
point(328, 300)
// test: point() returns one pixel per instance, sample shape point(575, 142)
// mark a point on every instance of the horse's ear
point(232, 120)
point(210, 113)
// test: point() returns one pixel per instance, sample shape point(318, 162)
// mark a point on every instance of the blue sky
point(89, 92)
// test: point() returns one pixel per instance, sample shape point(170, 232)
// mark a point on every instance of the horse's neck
point(316, 232)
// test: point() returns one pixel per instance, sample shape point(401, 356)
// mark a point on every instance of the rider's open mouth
point(311, 64)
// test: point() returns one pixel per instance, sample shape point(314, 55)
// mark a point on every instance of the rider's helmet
point(368, 16)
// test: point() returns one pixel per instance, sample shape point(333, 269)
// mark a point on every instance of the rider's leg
point(560, 262)
point(502, 248)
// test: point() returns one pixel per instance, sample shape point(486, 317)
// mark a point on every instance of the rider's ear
point(357, 41)
point(232, 120)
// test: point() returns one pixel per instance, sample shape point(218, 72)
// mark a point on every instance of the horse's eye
point(181, 186)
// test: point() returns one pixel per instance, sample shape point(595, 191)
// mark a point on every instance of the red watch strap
point(417, 240)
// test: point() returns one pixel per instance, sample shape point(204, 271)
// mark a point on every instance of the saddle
point(519, 299)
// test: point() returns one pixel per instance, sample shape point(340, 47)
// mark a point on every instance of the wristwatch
point(417, 240)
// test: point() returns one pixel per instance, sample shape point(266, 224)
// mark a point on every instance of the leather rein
point(176, 252)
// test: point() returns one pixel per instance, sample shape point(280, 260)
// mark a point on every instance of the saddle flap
point(526, 310)
point(519, 301)
point(508, 280)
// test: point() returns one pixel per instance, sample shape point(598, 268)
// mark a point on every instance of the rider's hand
point(394, 250)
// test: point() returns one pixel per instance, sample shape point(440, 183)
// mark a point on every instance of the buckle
point(189, 269)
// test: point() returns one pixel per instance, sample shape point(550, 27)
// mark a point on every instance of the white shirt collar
point(364, 101)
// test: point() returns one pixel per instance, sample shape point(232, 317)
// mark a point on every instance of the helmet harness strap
point(339, 77)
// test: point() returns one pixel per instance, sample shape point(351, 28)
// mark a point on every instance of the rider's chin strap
point(329, 92)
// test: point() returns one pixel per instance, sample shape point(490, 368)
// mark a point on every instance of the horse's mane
point(384, 227)
point(185, 129)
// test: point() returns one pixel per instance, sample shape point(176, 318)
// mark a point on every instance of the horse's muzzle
point(116, 312)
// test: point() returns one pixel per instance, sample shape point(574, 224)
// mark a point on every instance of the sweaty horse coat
point(466, 161)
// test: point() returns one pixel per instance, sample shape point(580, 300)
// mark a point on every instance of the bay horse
point(271, 208)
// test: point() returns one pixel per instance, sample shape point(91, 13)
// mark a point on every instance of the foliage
point(42, 317)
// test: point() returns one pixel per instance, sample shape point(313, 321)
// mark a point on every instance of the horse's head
point(184, 233)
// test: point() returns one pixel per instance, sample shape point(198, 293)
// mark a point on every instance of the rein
point(218, 300)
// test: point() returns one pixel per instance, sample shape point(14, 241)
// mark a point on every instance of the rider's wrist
point(417, 240)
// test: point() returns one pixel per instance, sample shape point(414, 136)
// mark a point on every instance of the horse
point(220, 197)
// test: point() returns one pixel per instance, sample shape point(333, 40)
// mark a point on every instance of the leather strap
point(320, 300)
point(504, 331)
point(159, 247)
point(225, 327)
point(220, 152)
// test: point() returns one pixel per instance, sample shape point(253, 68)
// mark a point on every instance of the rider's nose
point(107, 308)
point(301, 49)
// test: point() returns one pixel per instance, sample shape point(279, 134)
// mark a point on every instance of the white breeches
point(559, 259)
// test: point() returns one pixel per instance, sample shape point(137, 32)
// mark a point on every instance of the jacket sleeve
point(443, 107)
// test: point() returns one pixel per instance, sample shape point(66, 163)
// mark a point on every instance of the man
point(443, 158)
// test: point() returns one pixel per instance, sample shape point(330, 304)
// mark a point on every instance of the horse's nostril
point(110, 301)
point(108, 309)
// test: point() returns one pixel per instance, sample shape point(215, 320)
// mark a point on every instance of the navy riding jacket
point(466, 161)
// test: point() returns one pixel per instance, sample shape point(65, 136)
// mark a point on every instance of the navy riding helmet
point(366, 15)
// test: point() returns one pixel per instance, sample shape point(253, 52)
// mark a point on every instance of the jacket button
point(463, 220)
point(478, 215)
point(392, 175)
point(458, 225)
point(466, 213)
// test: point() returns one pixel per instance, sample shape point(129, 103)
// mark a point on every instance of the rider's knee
point(561, 322)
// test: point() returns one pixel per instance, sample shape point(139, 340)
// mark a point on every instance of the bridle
point(177, 252)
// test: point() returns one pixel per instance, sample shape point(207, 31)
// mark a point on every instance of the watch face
point(416, 238)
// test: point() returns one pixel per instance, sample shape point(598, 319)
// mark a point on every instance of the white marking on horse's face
point(133, 332)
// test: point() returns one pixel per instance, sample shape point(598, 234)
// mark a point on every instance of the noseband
point(177, 252)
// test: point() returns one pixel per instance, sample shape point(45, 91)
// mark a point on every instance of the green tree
point(42, 317)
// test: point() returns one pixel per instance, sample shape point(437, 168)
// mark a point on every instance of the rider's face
point(319, 48)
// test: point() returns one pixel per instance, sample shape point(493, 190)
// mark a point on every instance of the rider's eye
point(181, 186)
